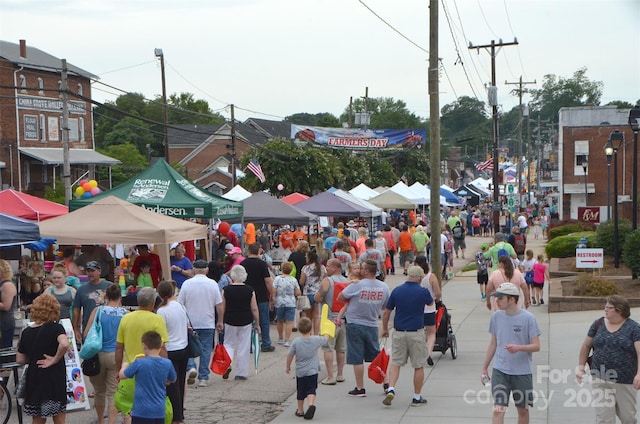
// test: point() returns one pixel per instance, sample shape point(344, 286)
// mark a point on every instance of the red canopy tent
point(29, 207)
point(294, 198)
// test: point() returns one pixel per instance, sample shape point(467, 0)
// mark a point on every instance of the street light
point(634, 123)
point(160, 54)
point(615, 138)
point(585, 163)
point(608, 150)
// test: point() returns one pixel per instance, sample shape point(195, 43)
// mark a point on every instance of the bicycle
point(7, 363)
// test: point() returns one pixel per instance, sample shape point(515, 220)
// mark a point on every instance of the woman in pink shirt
point(540, 275)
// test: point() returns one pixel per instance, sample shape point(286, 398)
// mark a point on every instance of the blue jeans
point(206, 337)
point(263, 311)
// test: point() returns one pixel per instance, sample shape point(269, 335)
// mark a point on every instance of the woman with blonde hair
point(61, 291)
point(43, 346)
point(8, 304)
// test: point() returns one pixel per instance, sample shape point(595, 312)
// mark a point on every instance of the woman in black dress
point(43, 346)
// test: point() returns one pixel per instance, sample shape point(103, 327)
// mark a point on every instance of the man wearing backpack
point(499, 248)
point(458, 239)
point(518, 240)
point(328, 292)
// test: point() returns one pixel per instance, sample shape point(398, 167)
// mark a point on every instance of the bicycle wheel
point(5, 402)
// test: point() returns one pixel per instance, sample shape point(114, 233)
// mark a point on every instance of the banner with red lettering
point(356, 138)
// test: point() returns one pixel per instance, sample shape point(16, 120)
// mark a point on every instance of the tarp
point(403, 190)
point(294, 198)
point(328, 204)
point(262, 208)
point(162, 189)
point(111, 220)
point(362, 191)
point(237, 194)
point(472, 196)
point(391, 200)
point(15, 230)
point(26, 206)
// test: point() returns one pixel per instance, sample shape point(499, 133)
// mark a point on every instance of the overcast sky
point(273, 58)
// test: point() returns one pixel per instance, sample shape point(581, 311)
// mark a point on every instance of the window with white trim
point(40, 86)
point(23, 83)
point(80, 89)
point(581, 156)
point(43, 128)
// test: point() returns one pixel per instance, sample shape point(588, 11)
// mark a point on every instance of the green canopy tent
point(161, 189)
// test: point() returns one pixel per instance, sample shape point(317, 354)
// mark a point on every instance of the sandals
point(299, 414)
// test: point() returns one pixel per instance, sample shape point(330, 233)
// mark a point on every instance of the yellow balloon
point(93, 183)
point(79, 191)
point(327, 328)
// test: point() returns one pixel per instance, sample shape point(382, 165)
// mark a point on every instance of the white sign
point(77, 395)
point(589, 258)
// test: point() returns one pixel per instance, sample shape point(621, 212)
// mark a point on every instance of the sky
point(274, 58)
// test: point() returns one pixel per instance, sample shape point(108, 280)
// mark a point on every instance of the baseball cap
point(415, 272)
point(505, 289)
point(200, 264)
point(93, 265)
point(235, 251)
point(228, 246)
point(334, 231)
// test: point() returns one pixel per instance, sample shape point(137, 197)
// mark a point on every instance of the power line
point(466, 40)
point(393, 28)
point(198, 88)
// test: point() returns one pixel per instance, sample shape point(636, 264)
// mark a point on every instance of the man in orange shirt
point(286, 238)
point(298, 236)
point(406, 247)
point(250, 234)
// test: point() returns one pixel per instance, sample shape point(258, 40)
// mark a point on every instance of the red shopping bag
point(439, 315)
point(220, 361)
point(378, 367)
point(387, 263)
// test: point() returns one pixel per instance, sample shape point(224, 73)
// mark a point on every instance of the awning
point(578, 188)
point(53, 156)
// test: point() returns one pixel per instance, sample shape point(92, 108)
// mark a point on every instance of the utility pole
point(493, 100)
point(66, 166)
point(233, 147)
point(520, 92)
point(366, 114)
point(434, 139)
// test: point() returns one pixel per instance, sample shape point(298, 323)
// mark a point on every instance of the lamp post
point(634, 123)
point(585, 163)
point(608, 150)
point(165, 114)
point(615, 138)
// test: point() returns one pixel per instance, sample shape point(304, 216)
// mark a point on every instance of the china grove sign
point(589, 258)
point(591, 215)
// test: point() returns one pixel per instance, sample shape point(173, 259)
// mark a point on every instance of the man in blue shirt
point(409, 340)
point(331, 240)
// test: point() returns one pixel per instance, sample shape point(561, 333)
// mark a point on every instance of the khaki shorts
point(409, 345)
point(337, 343)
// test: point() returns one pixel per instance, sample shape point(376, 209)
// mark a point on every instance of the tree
point(314, 120)
point(386, 113)
point(558, 92)
point(465, 120)
point(132, 163)
point(620, 104)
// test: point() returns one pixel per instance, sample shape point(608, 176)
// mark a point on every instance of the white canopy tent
point(375, 211)
point(403, 190)
point(364, 192)
point(425, 191)
point(238, 194)
point(391, 200)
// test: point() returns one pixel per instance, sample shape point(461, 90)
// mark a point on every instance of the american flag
point(255, 167)
point(485, 166)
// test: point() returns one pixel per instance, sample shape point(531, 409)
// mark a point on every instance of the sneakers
point(280, 341)
point(418, 402)
point(358, 392)
point(203, 383)
point(287, 343)
point(225, 376)
point(328, 382)
point(240, 378)
point(385, 387)
point(310, 412)
point(533, 301)
point(430, 361)
point(483, 296)
point(268, 349)
point(191, 376)
point(389, 398)
point(340, 379)
point(541, 301)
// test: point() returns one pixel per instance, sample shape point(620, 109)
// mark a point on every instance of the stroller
point(445, 339)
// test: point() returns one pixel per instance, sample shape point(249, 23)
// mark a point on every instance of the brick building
point(583, 132)
point(31, 120)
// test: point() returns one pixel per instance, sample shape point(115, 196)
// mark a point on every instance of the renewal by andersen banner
point(356, 138)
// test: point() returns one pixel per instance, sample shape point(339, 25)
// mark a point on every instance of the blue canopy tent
point(15, 231)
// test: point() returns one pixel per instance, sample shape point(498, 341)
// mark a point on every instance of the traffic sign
point(589, 258)
point(511, 188)
point(511, 202)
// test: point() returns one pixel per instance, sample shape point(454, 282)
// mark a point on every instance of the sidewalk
point(453, 387)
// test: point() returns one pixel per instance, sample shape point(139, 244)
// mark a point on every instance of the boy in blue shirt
point(152, 373)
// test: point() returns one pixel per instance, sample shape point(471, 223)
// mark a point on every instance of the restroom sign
point(589, 258)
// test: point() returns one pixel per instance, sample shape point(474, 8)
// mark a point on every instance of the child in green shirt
point(144, 278)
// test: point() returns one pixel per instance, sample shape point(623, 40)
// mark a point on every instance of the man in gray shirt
point(515, 335)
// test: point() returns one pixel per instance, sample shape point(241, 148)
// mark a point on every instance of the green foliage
point(466, 119)
point(132, 163)
point(569, 226)
point(315, 120)
point(56, 195)
point(470, 267)
point(565, 246)
point(386, 113)
point(605, 235)
point(631, 251)
point(558, 92)
point(589, 285)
